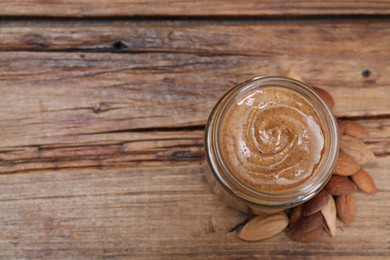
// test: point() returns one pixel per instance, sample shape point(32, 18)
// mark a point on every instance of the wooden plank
point(52, 97)
point(84, 109)
point(105, 151)
point(101, 154)
point(317, 39)
point(136, 149)
point(160, 213)
point(101, 8)
point(216, 56)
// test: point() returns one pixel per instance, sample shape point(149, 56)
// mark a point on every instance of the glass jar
point(239, 195)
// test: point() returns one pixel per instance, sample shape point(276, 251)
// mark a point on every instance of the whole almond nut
point(346, 208)
point(346, 165)
point(339, 185)
point(305, 237)
point(295, 215)
point(325, 95)
point(309, 223)
point(316, 203)
point(357, 149)
point(325, 227)
point(354, 129)
point(364, 182)
point(262, 227)
point(341, 127)
point(329, 213)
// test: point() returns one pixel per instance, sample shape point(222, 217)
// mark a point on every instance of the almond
point(357, 149)
point(292, 75)
point(325, 227)
point(346, 165)
point(341, 127)
point(346, 208)
point(262, 227)
point(309, 223)
point(305, 237)
point(354, 129)
point(364, 182)
point(329, 214)
point(316, 203)
point(339, 185)
point(325, 95)
point(295, 215)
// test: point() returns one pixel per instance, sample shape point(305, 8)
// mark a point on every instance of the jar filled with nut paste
point(271, 144)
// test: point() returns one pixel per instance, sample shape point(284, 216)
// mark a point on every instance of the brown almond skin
point(295, 215)
point(357, 149)
point(309, 223)
point(263, 227)
point(316, 203)
point(346, 165)
point(339, 185)
point(325, 95)
point(305, 237)
point(354, 129)
point(364, 182)
point(341, 127)
point(346, 208)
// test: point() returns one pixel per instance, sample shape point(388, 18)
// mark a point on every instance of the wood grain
point(65, 95)
point(101, 8)
point(136, 149)
point(377, 129)
point(198, 62)
point(102, 123)
point(130, 213)
point(265, 38)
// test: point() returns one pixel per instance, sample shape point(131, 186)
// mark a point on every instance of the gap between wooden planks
point(55, 101)
point(69, 97)
point(52, 97)
point(129, 8)
point(315, 38)
point(136, 149)
point(97, 153)
point(159, 212)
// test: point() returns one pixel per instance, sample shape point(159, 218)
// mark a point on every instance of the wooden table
point(103, 108)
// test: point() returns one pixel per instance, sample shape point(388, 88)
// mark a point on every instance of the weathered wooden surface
point(86, 8)
point(159, 212)
point(101, 145)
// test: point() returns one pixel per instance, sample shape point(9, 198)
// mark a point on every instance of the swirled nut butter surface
point(272, 139)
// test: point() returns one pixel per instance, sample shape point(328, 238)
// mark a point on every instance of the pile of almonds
point(307, 222)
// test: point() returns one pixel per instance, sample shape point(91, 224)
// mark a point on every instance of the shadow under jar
point(271, 144)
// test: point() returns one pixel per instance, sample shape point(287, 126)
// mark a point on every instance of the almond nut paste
point(272, 139)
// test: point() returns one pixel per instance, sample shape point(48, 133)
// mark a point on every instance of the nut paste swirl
point(272, 139)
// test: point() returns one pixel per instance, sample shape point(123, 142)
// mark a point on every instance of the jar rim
point(287, 198)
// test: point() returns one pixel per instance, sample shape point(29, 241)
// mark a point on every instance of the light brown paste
point(272, 139)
